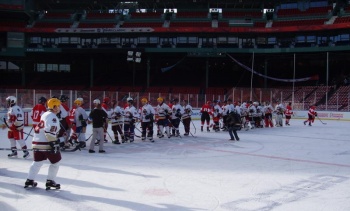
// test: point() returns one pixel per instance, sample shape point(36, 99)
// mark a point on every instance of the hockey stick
point(321, 120)
point(188, 131)
point(28, 134)
point(4, 120)
point(195, 130)
point(38, 150)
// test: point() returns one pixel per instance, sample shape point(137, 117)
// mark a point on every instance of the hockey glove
point(178, 115)
point(55, 146)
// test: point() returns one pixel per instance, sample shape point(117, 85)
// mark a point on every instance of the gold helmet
point(160, 99)
point(51, 103)
point(144, 100)
point(78, 102)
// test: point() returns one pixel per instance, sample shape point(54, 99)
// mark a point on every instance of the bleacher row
point(285, 17)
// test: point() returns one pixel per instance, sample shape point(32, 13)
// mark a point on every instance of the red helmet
point(106, 100)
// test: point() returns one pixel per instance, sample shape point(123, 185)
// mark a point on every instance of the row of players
point(46, 141)
point(167, 117)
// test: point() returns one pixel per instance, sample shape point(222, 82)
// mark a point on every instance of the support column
point(91, 72)
point(206, 74)
point(148, 71)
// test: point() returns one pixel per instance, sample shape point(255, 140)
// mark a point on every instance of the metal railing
point(301, 100)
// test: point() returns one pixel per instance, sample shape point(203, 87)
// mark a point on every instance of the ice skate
point(30, 182)
point(13, 154)
point(202, 128)
point(26, 154)
point(116, 141)
point(208, 129)
point(52, 184)
point(97, 143)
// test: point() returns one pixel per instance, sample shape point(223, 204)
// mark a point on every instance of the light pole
point(134, 57)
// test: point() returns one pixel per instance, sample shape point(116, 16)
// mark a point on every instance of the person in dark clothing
point(99, 118)
point(233, 123)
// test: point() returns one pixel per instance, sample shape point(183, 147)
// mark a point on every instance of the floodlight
point(130, 53)
point(138, 54)
point(138, 60)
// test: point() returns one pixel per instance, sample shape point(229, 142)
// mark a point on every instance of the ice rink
point(292, 168)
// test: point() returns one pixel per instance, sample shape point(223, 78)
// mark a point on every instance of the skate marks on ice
point(295, 192)
point(65, 199)
point(173, 146)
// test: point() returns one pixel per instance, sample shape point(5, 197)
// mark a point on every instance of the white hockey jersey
point(46, 131)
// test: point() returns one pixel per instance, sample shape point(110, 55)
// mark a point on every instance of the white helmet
point(129, 99)
point(97, 101)
point(11, 100)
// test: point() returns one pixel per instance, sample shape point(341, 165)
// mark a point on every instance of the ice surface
point(292, 168)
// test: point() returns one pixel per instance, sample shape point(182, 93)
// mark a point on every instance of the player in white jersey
point(268, 110)
point(46, 145)
point(147, 119)
point(117, 119)
point(163, 112)
point(186, 116)
point(177, 112)
point(279, 110)
point(15, 124)
point(79, 121)
point(217, 113)
point(131, 116)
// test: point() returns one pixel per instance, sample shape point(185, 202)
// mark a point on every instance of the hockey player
point(106, 107)
point(163, 112)
point(15, 124)
point(186, 117)
point(233, 124)
point(288, 113)
point(268, 110)
point(38, 110)
point(63, 115)
point(47, 146)
point(147, 119)
point(225, 112)
point(117, 119)
point(216, 114)
point(252, 113)
point(79, 121)
point(259, 115)
point(279, 110)
point(206, 111)
point(131, 116)
point(245, 116)
point(177, 112)
point(98, 117)
point(311, 115)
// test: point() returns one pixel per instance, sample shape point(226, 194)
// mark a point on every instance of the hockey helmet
point(160, 99)
point(97, 101)
point(106, 100)
point(64, 98)
point(144, 100)
point(175, 100)
point(11, 100)
point(78, 102)
point(51, 103)
point(81, 99)
point(130, 100)
point(42, 100)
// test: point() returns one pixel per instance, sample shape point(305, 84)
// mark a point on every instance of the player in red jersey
point(206, 111)
point(288, 113)
point(38, 110)
point(312, 114)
